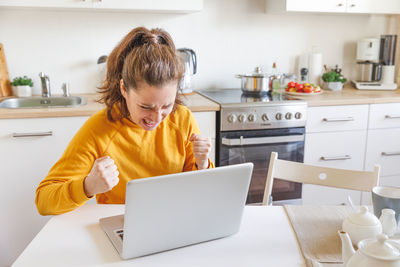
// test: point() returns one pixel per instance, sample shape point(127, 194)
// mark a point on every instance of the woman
point(142, 132)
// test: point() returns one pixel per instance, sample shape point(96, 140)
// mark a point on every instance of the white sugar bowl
point(362, 225)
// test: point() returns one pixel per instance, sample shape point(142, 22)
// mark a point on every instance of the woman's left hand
point(201, 150)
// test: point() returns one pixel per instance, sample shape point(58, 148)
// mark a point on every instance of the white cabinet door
point(207, 124)
point(337, 118)
point(316, 5)
point(47, 3)
point(373, 6)
point(180, 6)
point(383, 148)
point(343, 150)
point(25, 161)
point(384, 115)
point(150, 5)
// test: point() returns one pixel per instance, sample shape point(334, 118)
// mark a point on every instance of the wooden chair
point(309, 174)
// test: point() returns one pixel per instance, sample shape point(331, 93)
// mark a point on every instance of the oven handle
point(262, 140)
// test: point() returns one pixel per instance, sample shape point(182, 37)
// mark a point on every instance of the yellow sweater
point(136, 152)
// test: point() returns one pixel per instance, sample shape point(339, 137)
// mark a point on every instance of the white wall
point(229, 37)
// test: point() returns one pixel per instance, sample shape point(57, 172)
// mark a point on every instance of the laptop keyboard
point(120, 233)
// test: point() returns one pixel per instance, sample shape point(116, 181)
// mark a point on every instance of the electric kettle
point(190, 62)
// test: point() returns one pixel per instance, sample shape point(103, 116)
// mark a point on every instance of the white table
point(76, 239)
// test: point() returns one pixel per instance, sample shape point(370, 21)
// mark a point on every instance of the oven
point(249, 128)
point(256, 146)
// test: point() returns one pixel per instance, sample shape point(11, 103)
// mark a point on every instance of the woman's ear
point(122, 87)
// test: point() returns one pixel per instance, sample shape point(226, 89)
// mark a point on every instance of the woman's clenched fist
point(102, 178)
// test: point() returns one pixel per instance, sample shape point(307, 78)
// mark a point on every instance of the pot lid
point(363, 217)
point(380, 248)
point(258, 72)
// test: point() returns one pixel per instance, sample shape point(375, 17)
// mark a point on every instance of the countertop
point(351, 96)
point(194, 102)
point(197, 103)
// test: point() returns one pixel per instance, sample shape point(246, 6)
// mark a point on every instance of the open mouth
point(149, 123)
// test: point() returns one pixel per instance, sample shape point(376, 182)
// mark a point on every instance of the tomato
point(291, 84)
point(308, 89)
point(299, 87)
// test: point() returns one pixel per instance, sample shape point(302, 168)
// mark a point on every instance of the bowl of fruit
point(302, 89)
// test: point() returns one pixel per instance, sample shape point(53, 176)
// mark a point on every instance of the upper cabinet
point(335, 6)
point(172, 6)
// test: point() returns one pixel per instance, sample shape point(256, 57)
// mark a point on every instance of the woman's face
point(149, 105)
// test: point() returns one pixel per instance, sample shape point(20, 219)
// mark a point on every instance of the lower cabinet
point(336, 138)
point(357, 138)
point(207, 122)
point(28, 149)
point(344, 150)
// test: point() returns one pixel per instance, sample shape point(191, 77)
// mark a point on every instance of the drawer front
point(383, 148)
point(337, 118)
point(384, 116)
point(343, 150)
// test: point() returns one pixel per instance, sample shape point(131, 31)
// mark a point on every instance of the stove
point(240, 111)
point(250, 127)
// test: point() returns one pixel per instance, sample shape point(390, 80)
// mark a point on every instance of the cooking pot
point(257, 82)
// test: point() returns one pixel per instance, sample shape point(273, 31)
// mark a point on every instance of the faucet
point(45, 84)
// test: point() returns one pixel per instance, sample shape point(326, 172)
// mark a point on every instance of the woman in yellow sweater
point(143, 131)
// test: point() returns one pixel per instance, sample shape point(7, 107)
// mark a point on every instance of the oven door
point(256, 147)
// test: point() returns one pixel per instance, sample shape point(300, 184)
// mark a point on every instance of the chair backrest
point(309, 174)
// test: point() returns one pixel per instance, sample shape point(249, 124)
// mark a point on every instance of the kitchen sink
point(43, 102)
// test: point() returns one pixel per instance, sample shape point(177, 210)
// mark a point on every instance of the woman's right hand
point(102, 178)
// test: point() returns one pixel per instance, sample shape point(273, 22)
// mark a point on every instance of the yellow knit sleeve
point(62, 190)
point(192, 127)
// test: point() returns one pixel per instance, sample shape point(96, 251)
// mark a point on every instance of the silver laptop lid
point(171, 211)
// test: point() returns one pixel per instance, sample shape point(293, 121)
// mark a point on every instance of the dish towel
point(316, 230)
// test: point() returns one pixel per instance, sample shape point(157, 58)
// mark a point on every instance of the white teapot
point(362, 225)
point(372, 252)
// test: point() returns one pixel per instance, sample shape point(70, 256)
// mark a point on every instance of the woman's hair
point(142, 56)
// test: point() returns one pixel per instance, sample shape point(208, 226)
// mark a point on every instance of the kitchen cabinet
point(173, 6)
point(383, 141)
point(207, 122)
point(25, 161)
point(335, 137)
point(335, 6)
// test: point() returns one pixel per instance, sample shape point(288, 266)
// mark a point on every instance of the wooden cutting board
point(5, 86)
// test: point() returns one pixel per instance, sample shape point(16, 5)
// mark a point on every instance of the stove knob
point(297, 115)
point(264, 117)
point(288, 116)
point(231, 118)
point(251, 117)
point(242, 118)
point(278, 116)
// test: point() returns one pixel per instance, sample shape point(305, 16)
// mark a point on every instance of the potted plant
point(21, 86)
point(333, 79)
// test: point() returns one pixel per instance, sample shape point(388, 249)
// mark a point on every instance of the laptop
point(177, 210)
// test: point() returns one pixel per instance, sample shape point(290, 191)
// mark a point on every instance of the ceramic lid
point(380, 248)
point(364, 217)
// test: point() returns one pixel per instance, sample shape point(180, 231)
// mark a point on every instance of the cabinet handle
point(338, 119)
point(336, 158)
point(49, 133)
point(390, 153)
point(341, 4)
point(352, 5)
point(392, 116)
